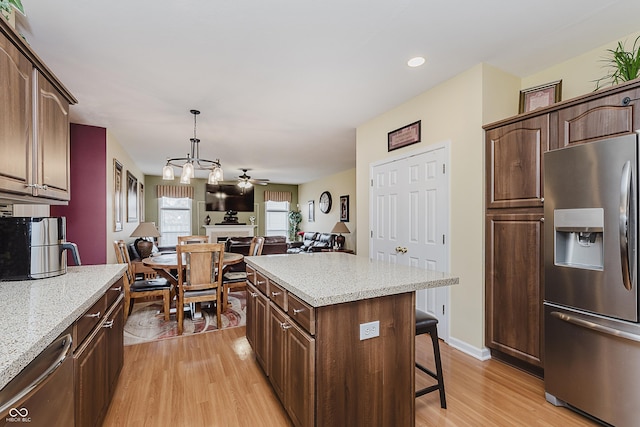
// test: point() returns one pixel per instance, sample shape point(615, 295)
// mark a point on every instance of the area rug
point(146, 322)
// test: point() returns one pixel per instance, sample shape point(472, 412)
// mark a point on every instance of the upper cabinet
point(599, 118)
point(34, 126)
point(514, 163)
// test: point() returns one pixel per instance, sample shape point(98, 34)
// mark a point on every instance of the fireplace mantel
point(215, 232)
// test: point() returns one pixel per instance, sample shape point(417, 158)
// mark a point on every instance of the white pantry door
point(410, 219)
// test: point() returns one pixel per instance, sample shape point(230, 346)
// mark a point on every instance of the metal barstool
point(427, 324)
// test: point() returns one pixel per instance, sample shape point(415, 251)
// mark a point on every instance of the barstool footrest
point(426, 390)
point(427, 371)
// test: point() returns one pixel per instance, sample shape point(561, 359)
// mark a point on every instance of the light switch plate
point(369, 330)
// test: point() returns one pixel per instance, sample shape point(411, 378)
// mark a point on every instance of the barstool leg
point(436, 354)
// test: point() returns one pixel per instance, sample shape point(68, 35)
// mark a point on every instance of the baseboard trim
point(478, 353)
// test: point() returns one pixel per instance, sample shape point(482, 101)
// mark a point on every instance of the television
point(224, 197)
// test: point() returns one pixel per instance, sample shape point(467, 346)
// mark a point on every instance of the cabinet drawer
point(114, 292)
point(302, 313)
point(90, 318)
point(262, 283)
point(278, 295)
point(251, 274)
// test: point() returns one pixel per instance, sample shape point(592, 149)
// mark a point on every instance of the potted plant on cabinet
point(624, 64)
point(8, 8)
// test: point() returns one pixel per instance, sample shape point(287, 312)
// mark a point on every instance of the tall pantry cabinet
point(514, 232)
point(514, 220)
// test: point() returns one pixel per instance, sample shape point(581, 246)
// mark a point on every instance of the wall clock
point(325, 202)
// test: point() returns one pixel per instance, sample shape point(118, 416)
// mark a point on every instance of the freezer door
point(590, 209)
point(592, 364)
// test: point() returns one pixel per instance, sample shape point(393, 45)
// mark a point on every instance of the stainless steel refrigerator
point(592, 334)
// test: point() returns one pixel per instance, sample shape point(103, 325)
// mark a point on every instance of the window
point(277, 218)
point(174, 217)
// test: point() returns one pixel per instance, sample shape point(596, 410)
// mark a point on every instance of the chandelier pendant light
point(193, 162)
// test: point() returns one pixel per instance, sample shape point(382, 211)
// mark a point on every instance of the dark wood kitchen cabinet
point(602, 117)
point(514, 274)
point(514, 174)
point(98, 357)
point(513, 246)
point(514, 163)
point(34, 130)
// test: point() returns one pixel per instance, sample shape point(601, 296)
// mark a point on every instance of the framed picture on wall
point(141, 196)
point(540, 96)
point(312, 210)
point(118, 201)
point(344, 208)
point(132, 197)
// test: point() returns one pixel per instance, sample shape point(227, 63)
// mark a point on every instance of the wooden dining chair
point(238, 279)
point(201, 277)
point(143, 288)
point(187, 240)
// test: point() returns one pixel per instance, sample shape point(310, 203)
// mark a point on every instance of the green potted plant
point(624, 65)
point(295, 218)
point(7, 8)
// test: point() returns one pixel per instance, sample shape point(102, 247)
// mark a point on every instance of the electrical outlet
point(369, 330)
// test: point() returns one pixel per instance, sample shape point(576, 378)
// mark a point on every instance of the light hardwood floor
point(212, 379)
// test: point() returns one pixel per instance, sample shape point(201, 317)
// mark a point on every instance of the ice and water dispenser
point(578, 238)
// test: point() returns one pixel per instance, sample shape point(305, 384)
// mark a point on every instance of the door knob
point(398, 248)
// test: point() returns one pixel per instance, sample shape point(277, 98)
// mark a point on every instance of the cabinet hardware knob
point(285, 325)
point(108, 324)
point(542, 219)
point(275, 294)
point(542, 199)
point(93, 315)
point(298, 310)
point(253, 294)
point(118, 289)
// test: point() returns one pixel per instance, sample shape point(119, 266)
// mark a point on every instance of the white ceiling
point(283, 84)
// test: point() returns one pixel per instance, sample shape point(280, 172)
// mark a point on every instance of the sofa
point(312, 242)
point(240, 245)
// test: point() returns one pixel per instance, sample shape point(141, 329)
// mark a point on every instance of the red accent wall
point(87, 211)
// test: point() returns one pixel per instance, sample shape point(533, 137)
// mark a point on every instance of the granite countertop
point(35, 312)
point(326, 278)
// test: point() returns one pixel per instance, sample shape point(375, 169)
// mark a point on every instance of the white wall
point(340, 184)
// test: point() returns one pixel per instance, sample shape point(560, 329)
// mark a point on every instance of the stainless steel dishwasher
point(42, 393)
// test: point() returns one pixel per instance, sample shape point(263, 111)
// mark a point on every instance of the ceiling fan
point(245, 181)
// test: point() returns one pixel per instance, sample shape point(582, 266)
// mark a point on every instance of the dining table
point(166, 265)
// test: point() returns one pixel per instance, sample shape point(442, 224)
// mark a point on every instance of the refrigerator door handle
point(596, 327)
point(625, 193)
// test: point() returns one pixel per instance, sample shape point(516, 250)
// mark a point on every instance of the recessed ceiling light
point(416, 62)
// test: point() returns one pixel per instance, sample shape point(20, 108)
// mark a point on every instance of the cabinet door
point(601, 118)
point(52, 142)
point(91, 380)
point(262, 337)
point(514, 163)
point(514, 269)
point(115, 346)
point(300, 377)
point(278, 326)
point(15, 120)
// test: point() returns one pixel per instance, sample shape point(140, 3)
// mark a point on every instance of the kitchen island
point(35, 312)
point(335, 334)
